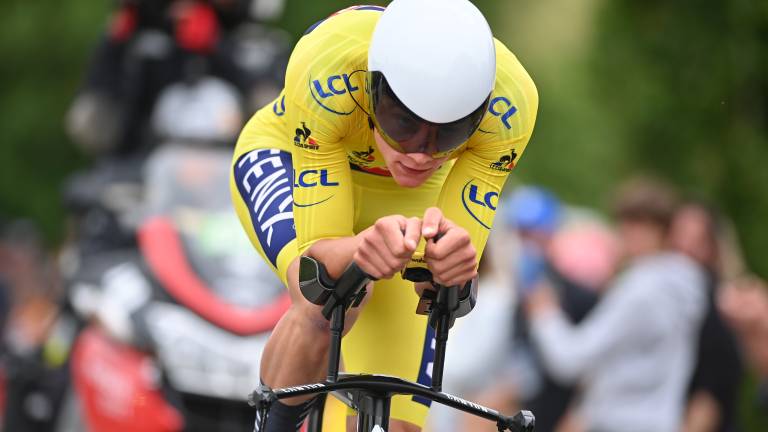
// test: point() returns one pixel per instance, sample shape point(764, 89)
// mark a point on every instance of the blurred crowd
point(167, 89)
point(647, 320)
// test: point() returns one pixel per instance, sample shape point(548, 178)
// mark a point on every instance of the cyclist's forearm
point(335, 253)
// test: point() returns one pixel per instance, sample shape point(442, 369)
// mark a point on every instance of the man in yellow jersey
point(394, 125)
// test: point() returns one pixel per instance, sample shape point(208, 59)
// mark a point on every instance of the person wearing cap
point(537, 216)
point(394, 125)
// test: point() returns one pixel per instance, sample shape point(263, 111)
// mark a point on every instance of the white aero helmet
point(431, 70)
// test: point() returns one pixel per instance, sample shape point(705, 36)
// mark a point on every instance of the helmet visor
point(407, 132)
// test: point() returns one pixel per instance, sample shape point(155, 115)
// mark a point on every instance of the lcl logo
point(475, 201)
point(334, 85)
point(312, 177)
point(502, 107)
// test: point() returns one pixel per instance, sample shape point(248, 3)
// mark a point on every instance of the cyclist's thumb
point(433, 218)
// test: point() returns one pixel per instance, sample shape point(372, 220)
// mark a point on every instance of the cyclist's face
point(408, 169)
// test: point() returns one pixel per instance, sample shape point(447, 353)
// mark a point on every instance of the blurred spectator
point(586, 252)
point(32, 284)
point(536, 214)
point(633, 355)
point(744, 303)
point(151, 44)
point(696, 231)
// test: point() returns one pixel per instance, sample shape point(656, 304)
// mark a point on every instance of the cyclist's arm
point(322, 189)
point(471, 192)
point(323, 202)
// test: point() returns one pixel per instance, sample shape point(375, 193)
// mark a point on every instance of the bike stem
point(441, 342)
point(441, 318)
point(337, 330)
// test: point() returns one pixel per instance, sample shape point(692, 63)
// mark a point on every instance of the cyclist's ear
point(432, 222)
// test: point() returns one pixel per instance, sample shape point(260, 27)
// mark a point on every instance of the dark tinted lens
point(452, 135)
point(396, 121)
point(412, 133)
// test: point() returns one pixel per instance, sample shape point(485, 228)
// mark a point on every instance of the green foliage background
point(675, 88)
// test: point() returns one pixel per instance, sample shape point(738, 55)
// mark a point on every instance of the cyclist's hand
point(452, 259)
point(386, 247)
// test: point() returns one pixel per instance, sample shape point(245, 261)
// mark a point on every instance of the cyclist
point(393, 126)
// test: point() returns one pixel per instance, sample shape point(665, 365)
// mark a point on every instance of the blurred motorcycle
point(178, 324)
point(168, 306)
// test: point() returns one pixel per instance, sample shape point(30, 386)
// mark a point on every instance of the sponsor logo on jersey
point(295, 204)
point(501, 106)
point(279, 107)
point(263, 179)
point(333, 85)
point(505, 163)
point(325, 91)
point(363, 158)
point(312, 178)
point(303, 138)
point(476, 200)
point(370, 170)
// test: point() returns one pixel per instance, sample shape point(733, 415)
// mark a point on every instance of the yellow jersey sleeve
point(320, 112)
point(471, 191)
point(265, 129)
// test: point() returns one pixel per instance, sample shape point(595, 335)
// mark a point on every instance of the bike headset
point(431, 71)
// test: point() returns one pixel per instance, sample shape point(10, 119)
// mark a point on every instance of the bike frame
point(371, 395)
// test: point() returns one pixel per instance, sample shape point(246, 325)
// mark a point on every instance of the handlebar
point(443, 305)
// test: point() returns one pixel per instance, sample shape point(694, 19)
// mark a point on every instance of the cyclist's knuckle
point(437, 254)
point(368, 243)
point(468, 255)
point(380, 224)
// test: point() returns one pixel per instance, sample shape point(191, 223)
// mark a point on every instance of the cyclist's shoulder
point(354, 21)
point(328, 63)
point(511, 76)
point(338, 41)
point(265, 129)
point(514, 101)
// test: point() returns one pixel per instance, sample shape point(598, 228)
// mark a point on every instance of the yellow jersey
point(306, 167)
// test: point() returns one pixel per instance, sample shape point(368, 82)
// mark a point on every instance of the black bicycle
point(370, 395)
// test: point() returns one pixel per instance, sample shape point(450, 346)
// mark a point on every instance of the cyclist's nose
point(420, 158)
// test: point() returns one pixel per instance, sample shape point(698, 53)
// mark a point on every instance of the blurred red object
point(162, 248)
point(116, 386)
point(587, 253)
point(123, 24)
point(197, 28)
